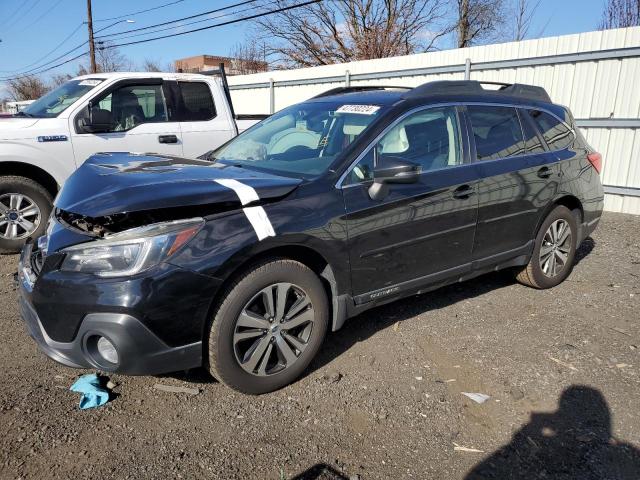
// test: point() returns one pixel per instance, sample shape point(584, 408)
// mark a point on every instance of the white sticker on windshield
point(359, 109)
point(90, 83)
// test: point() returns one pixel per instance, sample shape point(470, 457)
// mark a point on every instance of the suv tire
point(19, 195)
point(554, 251)
point(268, 327)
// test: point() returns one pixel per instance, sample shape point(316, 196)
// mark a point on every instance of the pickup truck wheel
point(25, 206)
point(268, 327)
point(554, 251)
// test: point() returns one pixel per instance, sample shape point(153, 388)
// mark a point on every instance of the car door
point(419, 233)
point(140, 117)
point(205, 121)
point(518, 180)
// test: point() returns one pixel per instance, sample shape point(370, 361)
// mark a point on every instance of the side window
point(555, 133)
point(133, 105)
point(496, 131)
point(531, 139)
point(429, 138)
point(197, 102)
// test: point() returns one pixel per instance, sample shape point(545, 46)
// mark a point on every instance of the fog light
point(107, 350)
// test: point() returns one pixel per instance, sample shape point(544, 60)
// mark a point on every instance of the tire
point(14, 232)
point(539, 272)
point(239, 362)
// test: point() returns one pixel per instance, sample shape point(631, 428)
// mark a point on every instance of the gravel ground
point(384, 398)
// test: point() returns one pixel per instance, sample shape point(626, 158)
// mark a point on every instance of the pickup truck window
point(134, 105)
point(197, 102)
point(57, 101)
point(300, 141)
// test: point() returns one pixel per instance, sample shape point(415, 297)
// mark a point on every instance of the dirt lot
point(383, 400)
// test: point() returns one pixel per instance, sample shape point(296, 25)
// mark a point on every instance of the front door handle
point(544, 172)
point(167, 139)
point(463, 192)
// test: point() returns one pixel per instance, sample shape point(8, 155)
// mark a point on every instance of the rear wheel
point(554, 251)
point(268, 328)
point(25, 206)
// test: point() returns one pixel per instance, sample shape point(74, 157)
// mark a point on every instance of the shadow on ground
point(574, 442)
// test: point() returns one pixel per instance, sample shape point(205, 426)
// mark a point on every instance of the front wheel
point(554, 251)
point(25, 206)
point(268, 328)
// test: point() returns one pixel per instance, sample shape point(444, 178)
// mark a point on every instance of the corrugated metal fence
point(597, 74)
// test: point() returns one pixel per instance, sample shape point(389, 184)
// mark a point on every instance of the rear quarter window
point(496, 131)
point(555, 133)
point(197, 102)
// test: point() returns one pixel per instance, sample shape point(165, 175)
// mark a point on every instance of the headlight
point(131, 251)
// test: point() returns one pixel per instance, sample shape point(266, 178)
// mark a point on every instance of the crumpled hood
point(109, 183)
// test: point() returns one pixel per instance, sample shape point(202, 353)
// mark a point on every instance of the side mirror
point(392, 169)
point(97, 121)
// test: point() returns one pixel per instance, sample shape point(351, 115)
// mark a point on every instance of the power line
point(123, 35)
point(8, 79)
point(22, 4)
point(44, 14)
point(139, 12)
point(53, 50)
point(24, 14)
point(250, 17)
point(184, 18)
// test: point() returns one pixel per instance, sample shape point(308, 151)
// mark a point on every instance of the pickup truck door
point(141, 121)
point(204, 114)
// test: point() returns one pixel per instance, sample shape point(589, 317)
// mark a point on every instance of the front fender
point(56, 159)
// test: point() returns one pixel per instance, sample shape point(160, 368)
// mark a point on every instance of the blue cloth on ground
point(93, 395)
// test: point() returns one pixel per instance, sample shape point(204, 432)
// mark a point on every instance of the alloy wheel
point(555, 248)
point(273, 329)
point(19, 216)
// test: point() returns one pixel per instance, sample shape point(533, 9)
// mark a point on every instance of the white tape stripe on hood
point(256, 215)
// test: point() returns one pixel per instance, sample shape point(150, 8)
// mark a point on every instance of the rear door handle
point(167, 139)
point(463, 192)
point(544, 172)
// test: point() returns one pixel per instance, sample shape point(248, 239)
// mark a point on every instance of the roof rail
point(453, 87)
point(359, 88)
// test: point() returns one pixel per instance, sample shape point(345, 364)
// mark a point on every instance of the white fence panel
point(596, 74)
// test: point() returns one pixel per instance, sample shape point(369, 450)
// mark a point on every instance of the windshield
point(58, 100)
point(302, 140)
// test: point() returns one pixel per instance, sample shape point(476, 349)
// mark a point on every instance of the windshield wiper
point(22, 114)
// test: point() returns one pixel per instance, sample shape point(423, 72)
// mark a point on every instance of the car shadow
point(574, 442)
point(320, 471)
point(363, 326)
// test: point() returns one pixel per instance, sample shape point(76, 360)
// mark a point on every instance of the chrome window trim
point(352, 165)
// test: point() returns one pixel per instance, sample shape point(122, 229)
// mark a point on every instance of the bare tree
point(110, 59)
point(478, 20)
point(347, 30)
point(59, 79)
point(150, 65)
point(26, 88)
point(248, 57)
point(525, 11)
point(620, 14)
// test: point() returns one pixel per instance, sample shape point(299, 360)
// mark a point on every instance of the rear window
point(555, 133)
point(496, 131)
point(197, 102)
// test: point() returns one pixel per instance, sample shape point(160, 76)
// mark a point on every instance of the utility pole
point(92, 47)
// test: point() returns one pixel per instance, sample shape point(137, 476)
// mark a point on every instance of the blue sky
point(40, 25)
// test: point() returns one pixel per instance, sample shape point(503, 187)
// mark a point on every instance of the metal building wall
point(595, 73)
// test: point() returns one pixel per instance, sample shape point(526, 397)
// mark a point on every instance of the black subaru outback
point(242, 260)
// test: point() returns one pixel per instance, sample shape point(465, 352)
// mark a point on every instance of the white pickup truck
point(169, 113)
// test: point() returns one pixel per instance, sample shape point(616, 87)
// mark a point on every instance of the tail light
point(596, 161)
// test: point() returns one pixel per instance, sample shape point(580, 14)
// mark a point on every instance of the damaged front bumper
point(111, 310)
